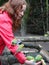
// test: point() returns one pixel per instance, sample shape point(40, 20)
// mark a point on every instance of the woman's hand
point(31, 62)
point(43, 62)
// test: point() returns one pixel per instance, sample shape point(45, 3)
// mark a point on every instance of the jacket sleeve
point(7, 36)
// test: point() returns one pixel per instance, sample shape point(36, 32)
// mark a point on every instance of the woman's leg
point(0, 62)
point(2, 46)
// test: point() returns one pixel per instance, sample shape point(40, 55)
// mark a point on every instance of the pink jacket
point(6, 36)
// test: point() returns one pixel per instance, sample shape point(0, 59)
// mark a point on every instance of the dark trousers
point(0, 62)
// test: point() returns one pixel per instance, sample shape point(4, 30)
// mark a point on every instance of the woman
point(11, 14)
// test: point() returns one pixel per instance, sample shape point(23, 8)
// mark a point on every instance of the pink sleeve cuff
point(20, 57)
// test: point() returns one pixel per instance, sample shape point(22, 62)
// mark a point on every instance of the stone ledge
point(33, 38)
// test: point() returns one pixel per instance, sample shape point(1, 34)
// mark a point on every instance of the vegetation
point(2, 2)
point(37, 22)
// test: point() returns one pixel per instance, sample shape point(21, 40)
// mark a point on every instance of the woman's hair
point(16, 3)
point(10, 8)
